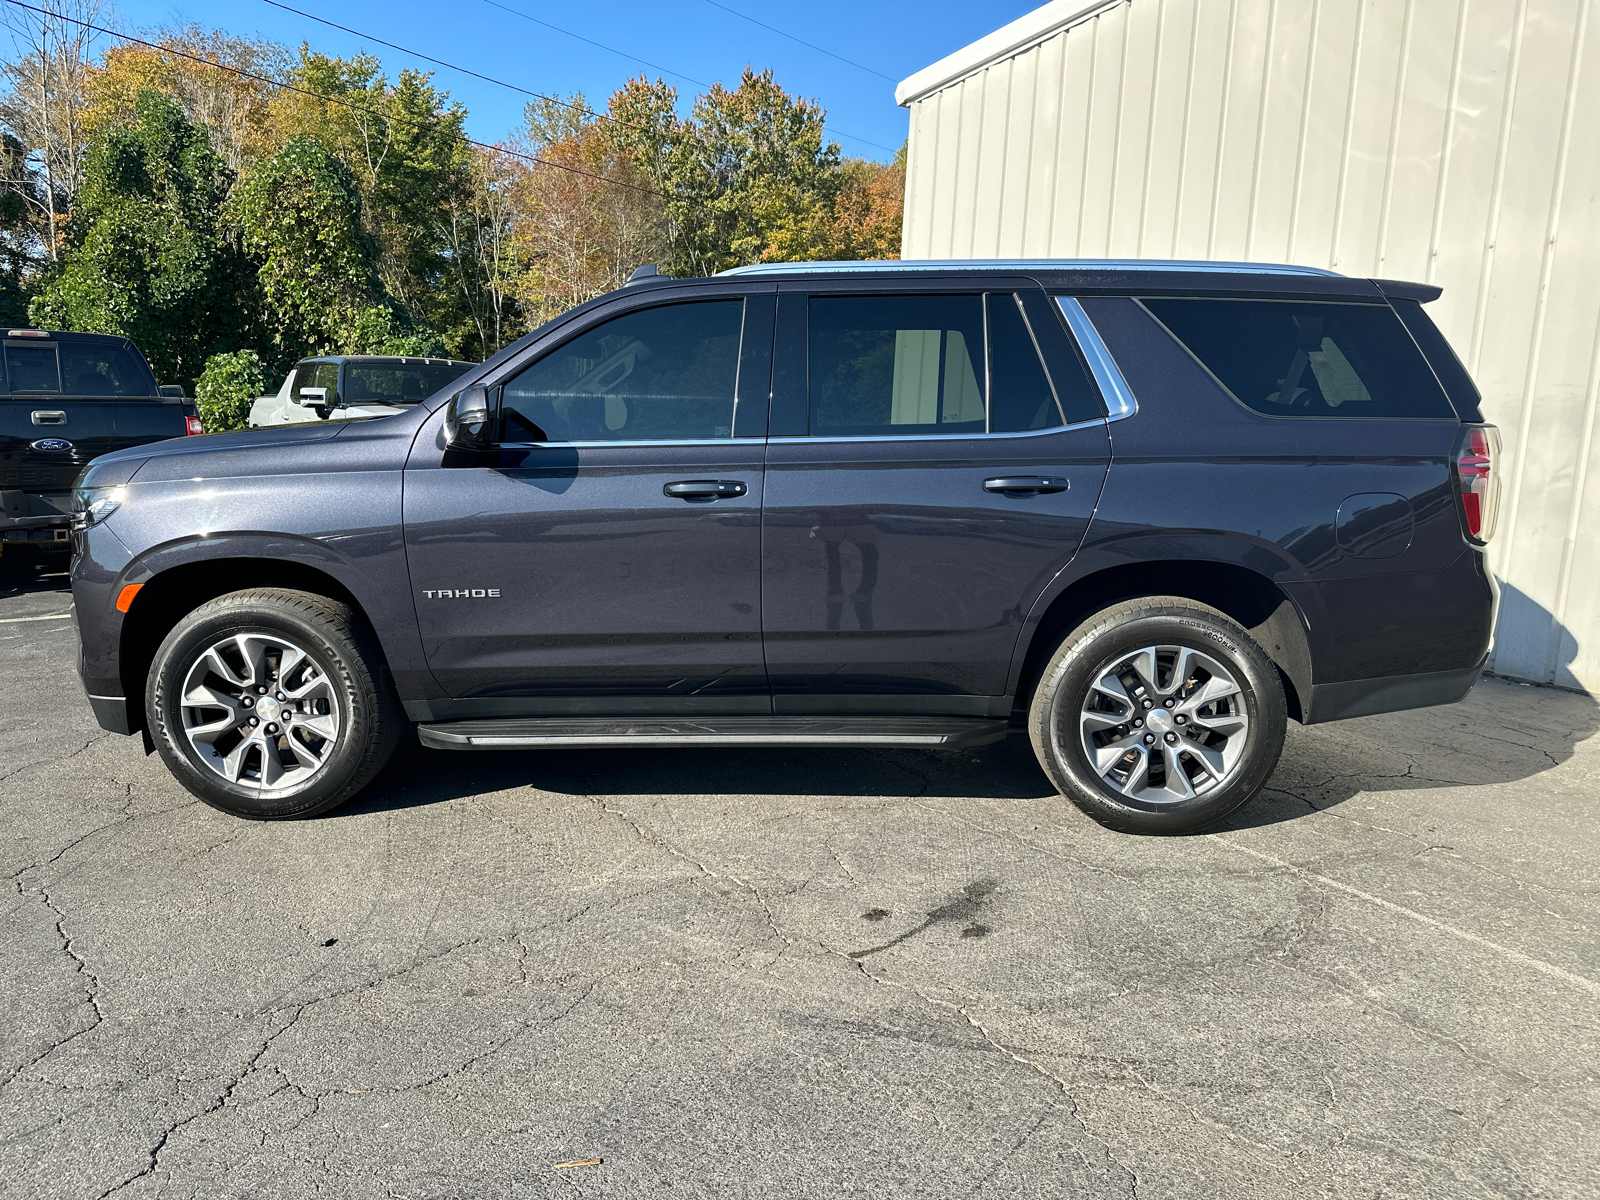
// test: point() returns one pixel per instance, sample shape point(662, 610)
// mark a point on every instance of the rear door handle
point(705, 489)
point(1025, 485)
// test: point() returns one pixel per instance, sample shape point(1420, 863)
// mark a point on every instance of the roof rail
point(1025, 264)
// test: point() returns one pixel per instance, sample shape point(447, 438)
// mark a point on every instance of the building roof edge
point(1027, 30)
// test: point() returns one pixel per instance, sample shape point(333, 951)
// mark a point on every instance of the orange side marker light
point(126, 595)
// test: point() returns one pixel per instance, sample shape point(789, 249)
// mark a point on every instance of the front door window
point(659, 374)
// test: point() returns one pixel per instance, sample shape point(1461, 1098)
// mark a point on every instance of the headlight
point(91, 505)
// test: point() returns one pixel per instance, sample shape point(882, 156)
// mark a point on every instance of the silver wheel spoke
point(1210, 761)
point(1107, 756)
point(1215, 689)
point(316, 687)
point(1101, 720)
point(215, 713)
point(1226, 723)
point(304, 753)
point(1139, 777)
point(324, 726)
point(1177, 778)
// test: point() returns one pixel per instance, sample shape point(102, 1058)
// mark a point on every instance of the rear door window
point(1297, 359)
point(896, 365)
point(88, 369)
point(919, 366)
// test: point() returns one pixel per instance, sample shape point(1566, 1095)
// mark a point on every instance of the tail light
point(192, 426)
point(1478, 480)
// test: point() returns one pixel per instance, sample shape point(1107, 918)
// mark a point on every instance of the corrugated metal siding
point(1452, 141)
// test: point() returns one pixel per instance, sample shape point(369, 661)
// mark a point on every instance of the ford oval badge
point(52, 444)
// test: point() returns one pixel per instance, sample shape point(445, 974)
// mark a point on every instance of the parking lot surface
point(798, 973)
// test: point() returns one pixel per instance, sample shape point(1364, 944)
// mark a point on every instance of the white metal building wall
point(1451, 141)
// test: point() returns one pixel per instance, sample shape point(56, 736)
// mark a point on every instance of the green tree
point(227, 388)
point(407, 153)
point(747, 176)
point(19, 255)
point(146, 256)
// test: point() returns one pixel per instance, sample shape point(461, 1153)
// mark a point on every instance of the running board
point(536, 732)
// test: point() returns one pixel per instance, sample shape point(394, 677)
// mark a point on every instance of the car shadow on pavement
point(25, 568)
point(1502, 733)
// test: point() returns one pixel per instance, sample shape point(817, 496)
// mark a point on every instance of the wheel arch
point(167, 597)
point(1253, 600)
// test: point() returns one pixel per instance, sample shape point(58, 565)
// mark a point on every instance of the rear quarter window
point(1299, 359)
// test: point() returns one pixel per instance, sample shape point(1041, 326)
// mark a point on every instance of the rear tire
point(272, 704)
point(1159, 715)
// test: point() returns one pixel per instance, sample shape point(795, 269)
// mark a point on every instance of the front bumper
point(113, 713)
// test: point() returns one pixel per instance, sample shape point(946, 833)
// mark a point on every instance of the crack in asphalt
point(656, 839)
point(56, 759)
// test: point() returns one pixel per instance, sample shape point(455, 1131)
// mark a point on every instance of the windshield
point(76, 369)
point(398, 384)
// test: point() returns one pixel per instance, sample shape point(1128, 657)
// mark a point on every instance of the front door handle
point(1025, 485)
point(705, 489)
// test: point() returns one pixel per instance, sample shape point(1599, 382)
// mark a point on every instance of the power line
point(658, 67)
point(601, 45)
point(578, 108)
point(802, 41)
point(439, 62)
point(362, 108)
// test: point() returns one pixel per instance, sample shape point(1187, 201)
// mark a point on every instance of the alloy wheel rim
point(1162, 725)
point(260, 712)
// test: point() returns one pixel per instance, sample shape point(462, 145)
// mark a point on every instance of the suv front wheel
point(1158, 715)
point(272, 703)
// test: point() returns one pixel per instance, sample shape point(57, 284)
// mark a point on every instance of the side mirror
point(468, 419)
point(310, 398)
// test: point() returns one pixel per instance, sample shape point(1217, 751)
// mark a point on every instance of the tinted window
point(317, 375)
point(88, 369)
point(656, 374)
point(397, 384)
point(1021, 396)
point(883, 365)
point(32, 368)
point(1308, 360)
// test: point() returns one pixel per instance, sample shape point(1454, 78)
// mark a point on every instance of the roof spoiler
point(1399, 289)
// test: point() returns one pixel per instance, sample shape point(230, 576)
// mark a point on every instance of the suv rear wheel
point(1158, 715)
point(271, 703)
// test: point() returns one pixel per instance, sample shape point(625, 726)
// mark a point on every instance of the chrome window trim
point(790, 440)
point(727, 441)
point(879, 266)
point(1118, 395)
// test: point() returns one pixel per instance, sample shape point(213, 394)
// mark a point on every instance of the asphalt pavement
point(774, 974)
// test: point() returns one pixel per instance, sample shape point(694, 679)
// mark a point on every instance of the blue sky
point(701, 39)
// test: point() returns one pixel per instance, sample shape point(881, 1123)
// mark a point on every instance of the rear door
point(927, 476)
point(606, 556)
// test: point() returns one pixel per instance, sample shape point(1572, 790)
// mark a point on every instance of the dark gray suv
point(1147, 511)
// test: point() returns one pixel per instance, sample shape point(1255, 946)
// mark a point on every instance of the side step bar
point(552, 732)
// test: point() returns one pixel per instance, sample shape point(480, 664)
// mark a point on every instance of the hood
point(251, 439)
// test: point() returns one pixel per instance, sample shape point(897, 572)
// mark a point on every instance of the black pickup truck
point(66, 398)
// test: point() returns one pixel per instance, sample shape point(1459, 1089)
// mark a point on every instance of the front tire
point(272, 704)
point(1159, 715)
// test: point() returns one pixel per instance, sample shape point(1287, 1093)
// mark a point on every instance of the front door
point(933, 478)
point(605, 557)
